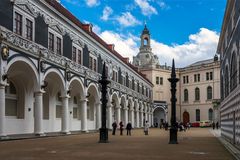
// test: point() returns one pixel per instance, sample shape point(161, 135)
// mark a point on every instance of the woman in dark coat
point(129, 127)
point(121, 128)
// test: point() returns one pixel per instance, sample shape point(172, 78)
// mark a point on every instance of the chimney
point(126, 59)
point(111, 46)
point(88, 27)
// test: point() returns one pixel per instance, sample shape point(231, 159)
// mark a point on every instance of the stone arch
point(76, 88)
point(28, 64)
point(123, 104)
point(159, 115)
point(23, 79)
point(92, 110)
point(52, 100)
point(115, 104)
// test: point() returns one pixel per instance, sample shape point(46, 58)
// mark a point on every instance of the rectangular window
point(29, 29)
point(51, 42)
point(211, 75)
point(157, 80)
point(198, 77)
point(187, 79)
point(79, 56)
point(18, 23)
point(59, 46)
point(161, 80)
point(58, 111)
point(184, 79)
point(90, 62)
point(195, 78)
point(74, 54)
point(75, 111)
point(207, 76)
point(95, 65)
point(11, 109)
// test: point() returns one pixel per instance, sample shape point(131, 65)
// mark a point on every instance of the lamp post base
point(173, 136)
point(103, 135)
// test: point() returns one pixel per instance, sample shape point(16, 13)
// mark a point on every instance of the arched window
point(145, 41)
point(185, 95)
point(197, 94)
point(197, 114)
point(226, 82)
point(210, 114)
point(209, 92)
point(233, 72)
point(11, 100)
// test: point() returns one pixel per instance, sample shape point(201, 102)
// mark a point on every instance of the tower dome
point(145, 56)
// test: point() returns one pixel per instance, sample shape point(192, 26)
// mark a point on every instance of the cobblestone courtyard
point(197, 144)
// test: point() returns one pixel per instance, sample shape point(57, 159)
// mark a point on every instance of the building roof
point(56, 5)
point(201, 62)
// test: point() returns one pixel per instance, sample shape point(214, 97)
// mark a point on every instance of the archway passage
point(159, 116)
point(185, 117)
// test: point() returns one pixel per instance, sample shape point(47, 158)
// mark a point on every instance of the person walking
point(146, 128)
point(121, 128)
point(217, 125)
point(114, 126)
point(129, 128)
point(213, 126)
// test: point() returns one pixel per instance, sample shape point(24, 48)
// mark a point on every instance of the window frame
point(78, 48)
point(25, 16)
point(209, 93)
point(56, 35)
point(94, 59)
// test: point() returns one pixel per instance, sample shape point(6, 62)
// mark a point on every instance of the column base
point(40, 134)
point(3, 137)
point(103, 135)
point(66, 132)
point(85, 131)
point(173, 136)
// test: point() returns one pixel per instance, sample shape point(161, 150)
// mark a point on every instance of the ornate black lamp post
point(104, 130)
point(173, 130)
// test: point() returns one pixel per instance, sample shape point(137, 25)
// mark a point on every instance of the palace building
point(198, 90)
point(228, 48)
point(49, 70)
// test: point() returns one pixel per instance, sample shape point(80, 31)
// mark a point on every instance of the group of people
point(128, 128)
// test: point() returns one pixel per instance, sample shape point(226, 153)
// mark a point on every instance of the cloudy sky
point(187, 30)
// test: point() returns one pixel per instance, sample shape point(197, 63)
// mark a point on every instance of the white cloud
point(146, 8)
point(163, 5)
point(126, 46)
point(127, 20)
point(200, 46)
point(92, 3)
point(107, 11)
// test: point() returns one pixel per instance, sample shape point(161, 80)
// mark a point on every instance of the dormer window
point(18, 23)
point(59, 46)
point(93, 63)
point(29, 29)
point(77, 54)
point(51, 42)
point(55, 42)
point(23, 24)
